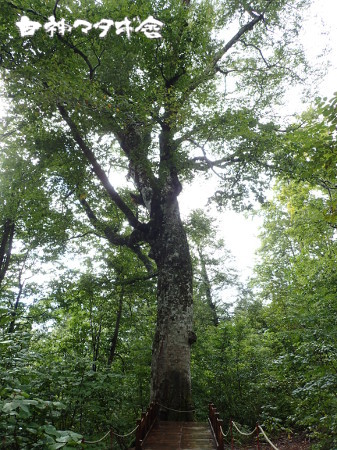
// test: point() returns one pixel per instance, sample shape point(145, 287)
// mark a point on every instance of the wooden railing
point(145, 424)
point(216, 425)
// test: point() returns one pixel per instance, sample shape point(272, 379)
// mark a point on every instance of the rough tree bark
point(171, 378)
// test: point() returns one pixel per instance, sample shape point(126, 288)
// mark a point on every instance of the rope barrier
point(108, 433)
point(219, 435)
point(258, 427)
point(176, 410)
point(266, 437)
point(127, 435)
point(242, 432)
point(99, 440)
point(223, 434)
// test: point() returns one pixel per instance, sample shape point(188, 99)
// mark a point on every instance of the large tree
point(161, 109)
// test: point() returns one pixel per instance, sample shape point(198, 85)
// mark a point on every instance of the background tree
point(277, 351)
point(29, 222)
point(213, 269)
point(297, 274)
point(297, 279)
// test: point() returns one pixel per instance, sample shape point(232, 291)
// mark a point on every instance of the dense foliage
point(275, 359)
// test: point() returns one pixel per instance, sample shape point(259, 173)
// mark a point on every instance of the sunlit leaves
point(297, 278)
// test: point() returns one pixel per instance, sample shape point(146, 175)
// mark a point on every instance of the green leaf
point(50, 429)
point(56, 445)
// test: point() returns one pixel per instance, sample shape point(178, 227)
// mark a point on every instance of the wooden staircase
point(179, 435)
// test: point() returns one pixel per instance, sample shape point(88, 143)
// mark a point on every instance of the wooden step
point(180, 435)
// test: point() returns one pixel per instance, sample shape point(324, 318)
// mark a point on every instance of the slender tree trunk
point(96, 337)
point(6, 247)
point(15, 307)
point(207, 286)
point(11, 327)
point(171, 377)
point(114, 338)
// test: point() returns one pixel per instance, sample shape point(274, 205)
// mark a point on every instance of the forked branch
point(114, 238)
point(101, 175)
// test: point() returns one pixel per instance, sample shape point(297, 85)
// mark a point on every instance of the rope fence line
point(113, 434)
point(266, 438)
point(99, 440)
point(219, 435)
point(176, 410)
point(255, 430)
point(242, 432)
point(153, 412)
point(127, 435)
point(258, 427)
point(223, 434)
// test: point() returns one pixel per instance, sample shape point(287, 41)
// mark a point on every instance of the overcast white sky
point(240, 233)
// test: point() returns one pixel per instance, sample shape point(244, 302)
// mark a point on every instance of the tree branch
point(220, 163)
point(143, 258)
point(135, 140)
point(213, 68)
point(26, 10)
point(243, 30)
point(108, 232)
point(55, 7)
point(101, 175)
point(126, 241)
point(81, 54)
point(80, 236)
point(269, 66)
point(137, 279)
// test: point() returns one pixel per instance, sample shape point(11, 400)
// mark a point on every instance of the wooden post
point(111, 439)
point(257, 436)
point(217, 428)
point(139, 435)
point(211, 417)
point(145, 423)
point(232, 438)
point(216, 424)
point(220, 435)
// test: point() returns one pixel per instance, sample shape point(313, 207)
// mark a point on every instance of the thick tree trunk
point(171, 377)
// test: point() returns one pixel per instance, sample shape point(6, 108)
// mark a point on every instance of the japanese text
point(150, 27)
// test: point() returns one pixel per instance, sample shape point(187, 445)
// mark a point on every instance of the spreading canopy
point(168, 107)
